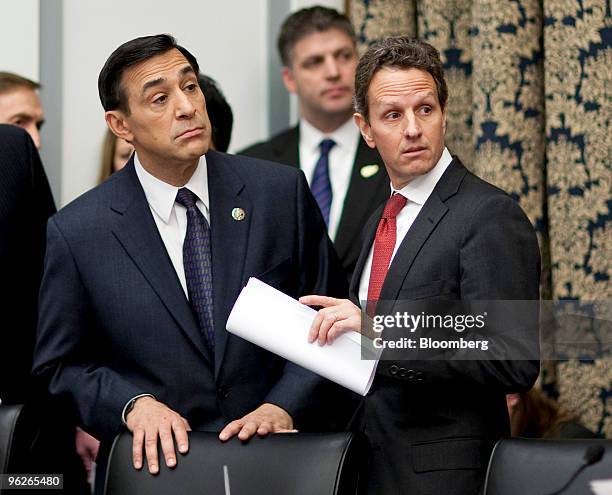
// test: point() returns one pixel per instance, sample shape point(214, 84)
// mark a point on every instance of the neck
point(175, 174)
point(327, 123)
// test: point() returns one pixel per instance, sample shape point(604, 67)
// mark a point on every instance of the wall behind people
point(20, 31)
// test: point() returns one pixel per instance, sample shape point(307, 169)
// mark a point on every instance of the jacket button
point(393, 369)
point(410, 374)
point(419, 376)
point(402, 372)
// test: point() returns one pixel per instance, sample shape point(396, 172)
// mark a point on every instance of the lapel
point(229, 241)
point(363, 194)
point(369, 231)
point(286, 150)
point(137, 232)
point(425, 223)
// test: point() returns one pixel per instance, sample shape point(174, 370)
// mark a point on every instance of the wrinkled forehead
point(396, 82)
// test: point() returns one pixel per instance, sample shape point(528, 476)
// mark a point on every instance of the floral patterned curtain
point(529, 110)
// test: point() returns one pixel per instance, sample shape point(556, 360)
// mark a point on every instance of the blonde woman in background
point(115, 154)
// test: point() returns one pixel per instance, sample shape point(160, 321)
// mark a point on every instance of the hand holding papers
point(270, 319)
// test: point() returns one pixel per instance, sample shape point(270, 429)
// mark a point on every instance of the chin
point(338, 107)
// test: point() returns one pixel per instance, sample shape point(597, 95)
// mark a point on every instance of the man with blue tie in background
point(317, 47)
point(142, 272)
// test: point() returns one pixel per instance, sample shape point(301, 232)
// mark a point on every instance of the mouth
point(189, 133)
point(336, 91)
point(414, 151)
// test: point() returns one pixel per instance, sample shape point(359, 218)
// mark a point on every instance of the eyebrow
point(395, 101)
point(22, 115)
point(156, 82)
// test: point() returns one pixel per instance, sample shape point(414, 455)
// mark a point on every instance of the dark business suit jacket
point(433, 422)
point(45, 436)
point(115, 322)
point(25, 205)
point(364, 194)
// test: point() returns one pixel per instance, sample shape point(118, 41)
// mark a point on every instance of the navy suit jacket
point(115, 322)
point(433, 422)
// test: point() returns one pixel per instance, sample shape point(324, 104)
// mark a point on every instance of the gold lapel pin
point(238, 214)
point(368, 171)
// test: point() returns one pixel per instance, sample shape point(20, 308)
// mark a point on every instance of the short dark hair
point(401, 52)
point(307, 21)
point(9, 82)
point(219, 113)
point(112, 94)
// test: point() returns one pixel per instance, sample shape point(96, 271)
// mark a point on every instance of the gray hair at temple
point(399, 52)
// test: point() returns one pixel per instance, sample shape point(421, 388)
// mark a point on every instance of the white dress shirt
point(341, 158)
point(171, 217)
point(417, 192)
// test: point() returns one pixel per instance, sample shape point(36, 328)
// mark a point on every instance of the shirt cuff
point(129, 404)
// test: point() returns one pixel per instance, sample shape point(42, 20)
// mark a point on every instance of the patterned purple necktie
point(197, 261)
point(320, 184)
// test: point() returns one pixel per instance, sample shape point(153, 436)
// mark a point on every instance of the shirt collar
point(419, 189)
point(161, 196)
point(346, 136)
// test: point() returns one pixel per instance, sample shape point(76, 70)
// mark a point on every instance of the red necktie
point(384, 243)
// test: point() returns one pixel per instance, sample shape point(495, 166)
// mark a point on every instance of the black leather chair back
point(281, 464)
point(540, 467)
point(9, 416)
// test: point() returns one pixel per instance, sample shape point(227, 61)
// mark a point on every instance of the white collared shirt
point(171, 217)
point(417, 192)
point(341, 158)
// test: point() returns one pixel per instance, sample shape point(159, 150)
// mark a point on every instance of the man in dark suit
point(25, 205)
point(319, 54)
point(443, 236)
point(142, 272)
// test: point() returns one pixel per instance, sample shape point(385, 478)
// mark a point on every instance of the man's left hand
point(267, 418)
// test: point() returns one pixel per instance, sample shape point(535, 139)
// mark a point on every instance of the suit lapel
point(362, 193)
point(425, 223)
point(135, 229)
point(229, 242)
point(369, 231)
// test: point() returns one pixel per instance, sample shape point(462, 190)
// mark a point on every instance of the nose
point(332, 70)
point(185, 109)
point(412, 128)
point(34, 134)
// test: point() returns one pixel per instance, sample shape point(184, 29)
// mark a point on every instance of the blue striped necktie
point(320, 184)
point(197, 261)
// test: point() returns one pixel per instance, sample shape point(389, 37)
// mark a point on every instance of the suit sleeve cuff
point(130, 404)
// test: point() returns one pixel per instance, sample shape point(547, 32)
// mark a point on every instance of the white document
point(270, 319)
point(601, 487)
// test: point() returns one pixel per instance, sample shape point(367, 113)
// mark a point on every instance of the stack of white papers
point(270, 319)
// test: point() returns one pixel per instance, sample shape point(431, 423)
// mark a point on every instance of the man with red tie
point(443, 234)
